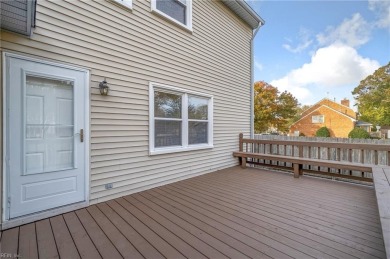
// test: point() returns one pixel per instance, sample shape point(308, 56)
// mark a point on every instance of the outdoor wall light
point(103, 87)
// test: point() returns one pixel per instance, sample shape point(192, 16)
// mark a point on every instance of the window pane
point(167, 133)
point(197, 132)
point(173, 8)
point(49, 125)
point(197, 108)
point(317, 119)
point(167, 105)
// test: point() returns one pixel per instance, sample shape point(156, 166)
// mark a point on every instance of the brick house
point(339, 118)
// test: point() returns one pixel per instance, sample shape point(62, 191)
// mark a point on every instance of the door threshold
point(15, 222)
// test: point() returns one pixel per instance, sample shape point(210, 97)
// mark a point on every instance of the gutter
point(252, 105)
point(249, 10)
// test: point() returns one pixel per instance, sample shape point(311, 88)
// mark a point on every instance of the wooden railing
point(358, 153)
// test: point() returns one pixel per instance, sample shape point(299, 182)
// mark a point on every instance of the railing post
point(376, 159)
point(241, 160)
point(388, 158)
point(300, 151)
point(241, 142)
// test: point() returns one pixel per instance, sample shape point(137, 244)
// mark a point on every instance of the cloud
point(353, 32)
point(333, 66)
point(382, 9)
point(305, 42)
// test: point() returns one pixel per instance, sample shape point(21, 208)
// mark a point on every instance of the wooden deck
point(236, 213)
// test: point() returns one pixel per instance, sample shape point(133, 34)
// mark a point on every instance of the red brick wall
point(339, 125)
point(336, 106)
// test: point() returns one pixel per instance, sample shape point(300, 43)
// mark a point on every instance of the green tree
point(273, 109)
point(358, 133)
point(323, 132)
point(373, 97)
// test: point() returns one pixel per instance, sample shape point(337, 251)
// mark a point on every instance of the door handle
point(81, 135)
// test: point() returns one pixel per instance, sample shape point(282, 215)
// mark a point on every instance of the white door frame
point(6, 222)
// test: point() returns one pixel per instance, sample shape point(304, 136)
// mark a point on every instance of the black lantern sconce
point(103, 87)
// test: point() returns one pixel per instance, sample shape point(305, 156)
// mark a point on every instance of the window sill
point(173, 21)
point(159, 151)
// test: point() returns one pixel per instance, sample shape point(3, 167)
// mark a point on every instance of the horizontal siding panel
point(140, 70)
point(131, 49)
point(157, 181)
point(22, 5)
point(13, 12)
point(151, 68)
point(141, 38)
point(144, 160)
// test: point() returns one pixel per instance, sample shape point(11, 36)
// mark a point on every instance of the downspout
point(252, 105)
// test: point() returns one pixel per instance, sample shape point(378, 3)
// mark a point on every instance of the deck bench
point(298, 162)
point(381, 177)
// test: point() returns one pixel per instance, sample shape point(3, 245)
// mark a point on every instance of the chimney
point(345, 102)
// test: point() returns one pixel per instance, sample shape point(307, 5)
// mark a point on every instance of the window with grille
point(178, 11)
point(179, 120)
point(318, 119)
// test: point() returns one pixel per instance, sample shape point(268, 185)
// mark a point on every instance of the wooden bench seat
point(299, 161)
point(381, 177)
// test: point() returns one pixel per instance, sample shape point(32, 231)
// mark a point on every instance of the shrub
point(301, 134)
point(358, 133)
point(323, 132)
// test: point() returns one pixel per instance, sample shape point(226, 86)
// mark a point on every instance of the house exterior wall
point(338, 124)
point(336, 106)
point(131, 48)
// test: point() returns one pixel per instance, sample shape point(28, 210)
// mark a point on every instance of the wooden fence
point(366, 151)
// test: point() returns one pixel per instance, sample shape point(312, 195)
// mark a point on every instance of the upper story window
point(179, 120)
point(318, 119)
point(178, 11)
point(127, 3)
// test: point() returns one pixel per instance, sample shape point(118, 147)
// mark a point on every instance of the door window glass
point(49, 125)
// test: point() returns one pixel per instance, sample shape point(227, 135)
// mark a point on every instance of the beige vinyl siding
point(131, 49)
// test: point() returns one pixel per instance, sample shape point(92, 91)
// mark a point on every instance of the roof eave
point(245, 12)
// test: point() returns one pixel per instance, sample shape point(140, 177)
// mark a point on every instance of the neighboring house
point(179, 74)
point(339, 118)
point(364, 125)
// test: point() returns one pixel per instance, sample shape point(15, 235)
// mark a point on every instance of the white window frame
point(188, 24)
point(318, 119)
point(185, 145)
point(126, 3)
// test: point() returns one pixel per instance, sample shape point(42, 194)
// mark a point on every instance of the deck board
point(47, 247)
point(10, 242)
point(184, 248)
point(140, 243)
point(236, 213)
point(123, 245)
point(99, 238)
point(65, 245)
point(28, 241)
point(81, 239)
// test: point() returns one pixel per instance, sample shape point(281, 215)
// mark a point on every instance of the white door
point(45, 136)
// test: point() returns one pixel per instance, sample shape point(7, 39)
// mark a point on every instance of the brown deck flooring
point(232, 213)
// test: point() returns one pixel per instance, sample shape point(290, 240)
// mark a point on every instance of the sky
point(316, 49)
